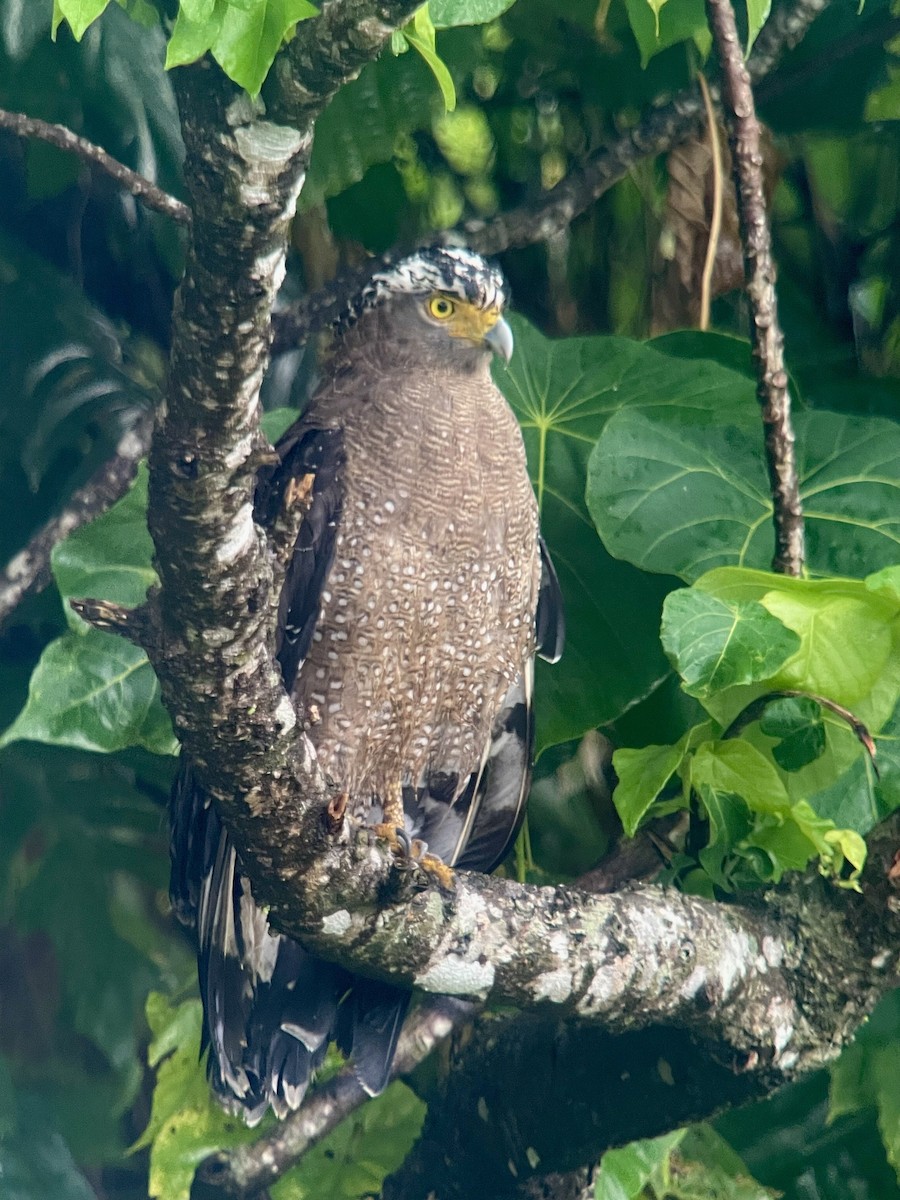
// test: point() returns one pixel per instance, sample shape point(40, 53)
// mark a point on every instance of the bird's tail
point(269, 1007)
point(369, 1024)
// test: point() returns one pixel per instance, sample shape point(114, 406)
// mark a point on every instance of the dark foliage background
point(86, 283)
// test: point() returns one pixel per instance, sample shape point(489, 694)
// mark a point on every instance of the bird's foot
point(412, 854)
point(396, 837)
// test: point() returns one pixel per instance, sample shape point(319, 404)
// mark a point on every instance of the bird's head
point(445, 297)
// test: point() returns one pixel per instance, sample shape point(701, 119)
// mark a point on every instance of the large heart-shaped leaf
point(673, 495)
point(563, 393)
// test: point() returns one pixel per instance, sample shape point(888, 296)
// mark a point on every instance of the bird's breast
point(427, 613)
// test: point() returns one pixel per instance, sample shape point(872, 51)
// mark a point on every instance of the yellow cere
point(464, 320)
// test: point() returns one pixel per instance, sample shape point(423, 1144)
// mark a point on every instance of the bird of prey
point(415, 598)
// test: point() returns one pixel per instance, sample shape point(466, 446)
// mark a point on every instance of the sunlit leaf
point(355, 1159)
point(849, 636)
point(186, 1125)
point(664, 23)
point(625, 1173)
point(642, 774)
point(420, 35)
point(80, 14)
point(249, 38)
point(757, 15)
point(714, 644)
point(109, 558)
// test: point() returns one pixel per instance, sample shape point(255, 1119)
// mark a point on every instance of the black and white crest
point(454, 270)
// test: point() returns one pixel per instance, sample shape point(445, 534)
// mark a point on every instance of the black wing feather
point(550, 621)
point(304, 452)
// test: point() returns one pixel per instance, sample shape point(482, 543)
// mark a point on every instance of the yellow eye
point(441, 307)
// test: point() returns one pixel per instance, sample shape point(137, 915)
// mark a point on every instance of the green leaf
point(647, 466)
point(194, 33)
point(887, 741)
point(35, 1162)
point(625, 1173)
point(850, 637)
point(885, 583)
point(563, 392)
point(197, 10)
point(659, 24)
point(865, 1076)
point(883, 103)
point(361, 125)
point(276, 421)
point(355, 1159)
point(797, 722)
point(95, 691)
point(714, 644)
point(249, 38)
point(110, 558)
point(852, 798)
point(757, 15)
point(704, 1167)
point(642, 775)
point(79, 13)
point(448, 13)
point(186, 1125)
point(737, 766)
point(730, 824)
point(789, 835)
point(420, 35)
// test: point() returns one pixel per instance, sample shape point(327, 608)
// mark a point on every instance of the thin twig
point(29, 571)
point(768, 340)
point(715, 221)
point(64, 139)
point(757, 707)
point(246, 1169)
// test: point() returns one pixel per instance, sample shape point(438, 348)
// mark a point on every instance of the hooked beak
point(500, 339)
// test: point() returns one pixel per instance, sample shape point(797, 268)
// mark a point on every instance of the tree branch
point(682, 1006)
point(656, 133)
point(765, 330)
point(29, 571)
point(628, 960)
point(64, 139)
point(215, 611)
point(330, 50)
point(529, 1096)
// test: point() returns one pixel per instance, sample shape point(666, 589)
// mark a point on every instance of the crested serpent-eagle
point(414, 601)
